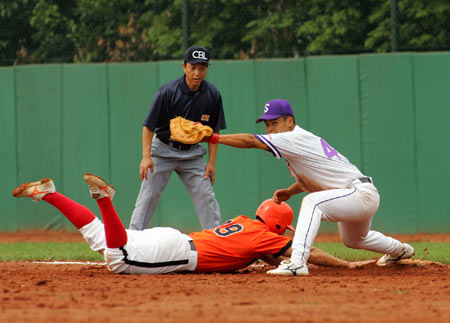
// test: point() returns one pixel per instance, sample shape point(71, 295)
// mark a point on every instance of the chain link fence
point(63, 31)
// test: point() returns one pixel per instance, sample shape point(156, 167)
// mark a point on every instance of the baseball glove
point(187, 131)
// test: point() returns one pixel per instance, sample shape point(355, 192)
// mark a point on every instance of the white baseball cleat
point(98, 187)
point(35, 190)
point(406, 253)
point(289, 268)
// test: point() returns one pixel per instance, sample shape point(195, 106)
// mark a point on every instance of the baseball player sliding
point(337, 190)
point(231, 246)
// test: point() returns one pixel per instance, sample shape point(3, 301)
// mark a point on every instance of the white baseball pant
point(353, 209)
point(152, 251)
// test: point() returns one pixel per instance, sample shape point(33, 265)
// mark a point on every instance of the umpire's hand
point(146, 163)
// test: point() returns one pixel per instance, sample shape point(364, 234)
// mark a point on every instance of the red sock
point(77, 214)
point(115, 233)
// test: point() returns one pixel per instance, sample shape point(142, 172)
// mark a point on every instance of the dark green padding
point(9, 220)
point(387, 113)
point(432, 99)
point(388, 138)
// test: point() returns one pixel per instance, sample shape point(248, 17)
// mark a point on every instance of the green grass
point(77, 251)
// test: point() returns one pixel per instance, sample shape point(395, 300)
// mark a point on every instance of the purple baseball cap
point(275, 109)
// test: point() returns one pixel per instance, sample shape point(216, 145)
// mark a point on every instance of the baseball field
point(414, 290)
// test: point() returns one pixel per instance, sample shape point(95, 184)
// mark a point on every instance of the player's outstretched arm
point(240, 140)
point(271, 260)
point(322, 258)
point(319, 257)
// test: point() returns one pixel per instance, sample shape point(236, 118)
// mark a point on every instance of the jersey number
point(228, 229)
point(329, 151)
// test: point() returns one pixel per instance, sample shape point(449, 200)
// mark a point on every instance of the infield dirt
point(413, 291)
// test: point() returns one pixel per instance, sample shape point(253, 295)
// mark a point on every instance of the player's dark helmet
point(278, 217)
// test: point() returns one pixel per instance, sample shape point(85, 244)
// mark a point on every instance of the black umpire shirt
point(174, 99)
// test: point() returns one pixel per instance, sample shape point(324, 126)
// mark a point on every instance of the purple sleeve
point(262, 138)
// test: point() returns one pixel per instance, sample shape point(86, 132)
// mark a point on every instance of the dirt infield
point(408, 292)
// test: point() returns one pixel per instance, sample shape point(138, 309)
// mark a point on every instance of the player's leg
point(353, 209)
point(115, 234)
point(355, 223)
point(192, 174)
point(150, 192)
point(359, 236)
point(354, 205)
point(308, 224)
point(331, 205)
point(80, 216)
point(151, 251)
point(103, 193)
point(44, 189)
point(77, 214)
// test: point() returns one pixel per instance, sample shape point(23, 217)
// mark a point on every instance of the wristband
point(214, 138)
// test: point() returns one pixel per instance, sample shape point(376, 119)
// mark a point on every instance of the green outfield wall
point(389, 114)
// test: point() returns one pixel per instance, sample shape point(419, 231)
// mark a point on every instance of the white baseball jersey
point(311, 160)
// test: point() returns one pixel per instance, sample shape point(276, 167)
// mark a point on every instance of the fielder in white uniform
point(337, 190)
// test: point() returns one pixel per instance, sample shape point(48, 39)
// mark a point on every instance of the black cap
point(196, 55)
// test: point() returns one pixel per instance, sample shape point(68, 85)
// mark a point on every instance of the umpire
point(193, 98)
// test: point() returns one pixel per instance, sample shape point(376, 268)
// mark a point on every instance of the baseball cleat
point(289, 268)
point(407, 252)
point(35, 190)
point(98, 187)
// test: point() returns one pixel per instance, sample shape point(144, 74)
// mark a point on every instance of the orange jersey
point(236, 244)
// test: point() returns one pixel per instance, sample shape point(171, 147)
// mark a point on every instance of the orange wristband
point(214, 138)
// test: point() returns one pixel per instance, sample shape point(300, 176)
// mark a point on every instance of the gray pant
point(190, 167)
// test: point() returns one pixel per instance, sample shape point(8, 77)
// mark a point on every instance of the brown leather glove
point(187, 131)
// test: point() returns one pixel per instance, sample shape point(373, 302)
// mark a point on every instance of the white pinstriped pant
point(353, 209)
point(151, 251)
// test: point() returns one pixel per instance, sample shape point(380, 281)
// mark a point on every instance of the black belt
point(365, 180)
point(192, 245)
point(176, 144)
